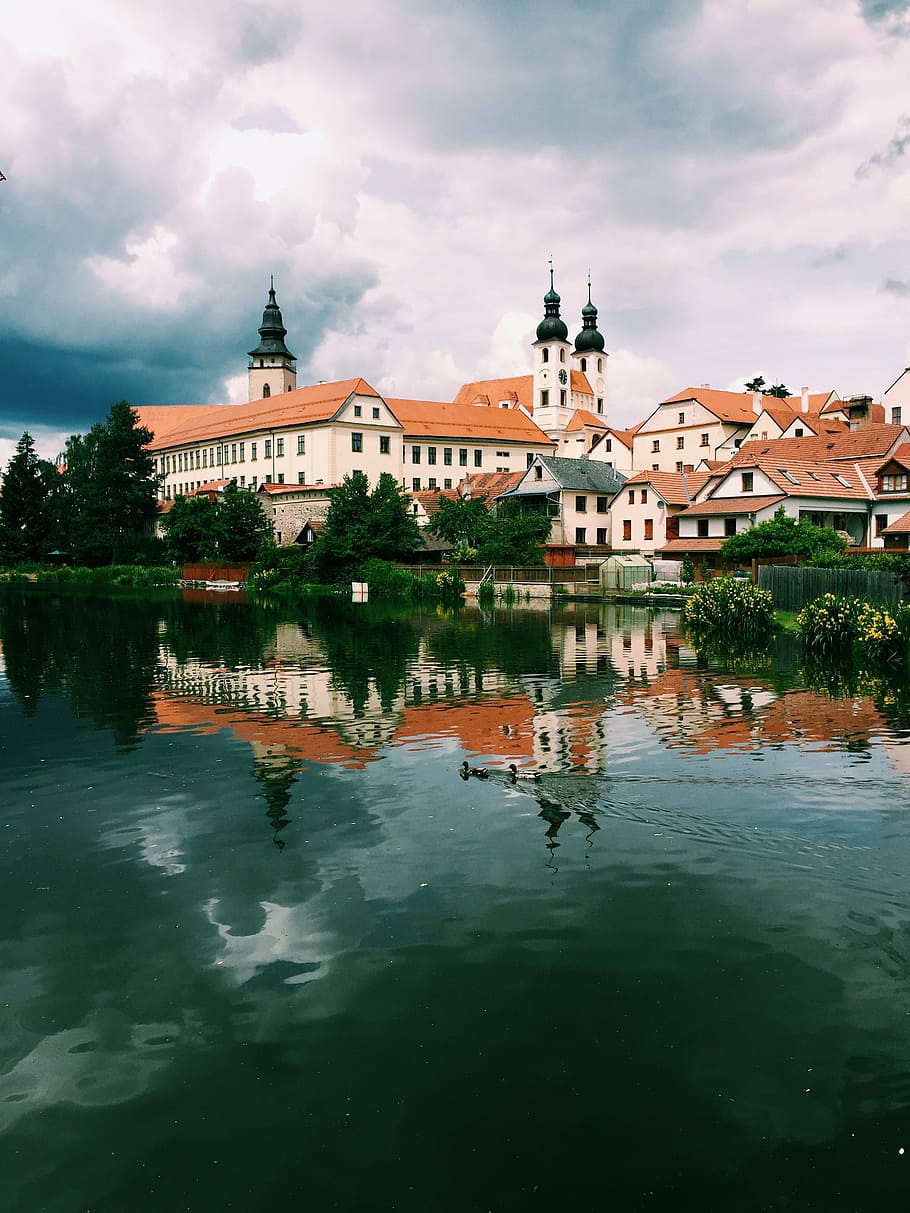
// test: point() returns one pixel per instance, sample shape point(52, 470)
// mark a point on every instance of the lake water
point(261, 947)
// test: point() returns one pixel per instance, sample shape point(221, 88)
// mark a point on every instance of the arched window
point(266, 391)
point(584, 364)
point(562, 355)
point(544, 355)
point(600, 364)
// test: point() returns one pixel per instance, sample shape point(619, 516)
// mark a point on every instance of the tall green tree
point(241, 525)
point(111, 488)
point(191, 529)
point(461, 521)
point(25, 516)
point(361, 525)
point(507, 535)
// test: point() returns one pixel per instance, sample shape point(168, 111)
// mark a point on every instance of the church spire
point(589, 340)
point(271, 365)
point(552, 327)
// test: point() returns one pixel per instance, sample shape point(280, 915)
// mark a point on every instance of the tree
point(506, 536)
point(25, 518)
point(361, 525)
point(782, 536)
point(110, 486)
point(756, 384)
point(779, 390)
point(191, 529)
point(241, 525)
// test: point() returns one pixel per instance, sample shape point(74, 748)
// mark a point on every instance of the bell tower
point(552, 387)
point(272, 366)
point(589, 355)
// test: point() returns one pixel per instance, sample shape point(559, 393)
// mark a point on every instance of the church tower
point(589, 355)
point(552, 386)
point(272, 370)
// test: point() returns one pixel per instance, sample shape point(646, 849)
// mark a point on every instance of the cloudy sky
point(734, 173)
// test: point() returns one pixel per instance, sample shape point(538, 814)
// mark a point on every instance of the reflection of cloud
point(107, 1061)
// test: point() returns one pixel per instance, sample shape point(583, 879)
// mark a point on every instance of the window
point(242, 482)
point(841, 481)
point(608, 445)
point(242, 450)
point(544, 355)
point(478, 459)
point(680, 441)
point(462, 456)
point(703, 440)
point(415, 454)
point(894, 483)
point(600, 404)
point(281, 477)
point(562, 397)
point(266, 391)
point(358, 411)
point(268, 478)
point(729, 526)
point(581, 505)
point(431, 454)
point(233, 452)
point(644, 497)
point(584, 364)
point(447, 456)
point(799, 431)
point(603, 505)
point(544, 399)
point(415, 484)
point(253, 454)
point(764, 435)
point(301, 477)
point(839, 522)
point(301, 444)
point(502, 454)
point(580, 534)
point(703, 528)
point(649, 528)
point(538, 472)
point(267, 448)
point(602, 534)
point(789, 476)
point(896, 415)
point(747, 481)
point(254, 481)
point(681, 418)
point(881, 521)
point(385, 444)
point(627, 529)
point(655, 467)
point(447, 483)
point(431, 483)
point(655, 446)
point(279, 446)
point(562, 355)
point(631, 496)
point(375, 413)
point(205, 457)
point(529, 458)
point(356, 441)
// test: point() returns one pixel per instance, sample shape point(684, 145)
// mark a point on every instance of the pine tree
point(24, 513)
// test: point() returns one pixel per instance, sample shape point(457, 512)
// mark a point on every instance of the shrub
point(728, 612)
point(848, 627)
point(828, 624)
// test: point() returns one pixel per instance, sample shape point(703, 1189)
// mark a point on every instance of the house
point(695, 425)
point(575, 492)
point(644, 513)
point(897, 398)
point(614, 447)
point(854, 482)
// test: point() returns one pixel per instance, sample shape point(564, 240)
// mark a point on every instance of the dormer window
point(895, 483)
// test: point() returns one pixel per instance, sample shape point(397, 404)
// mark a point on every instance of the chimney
point(804, 400)
point(756, 401)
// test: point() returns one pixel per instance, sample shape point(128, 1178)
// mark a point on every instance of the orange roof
point(672, 486)
point(900, 526)
point(429, 498)
point(208, 423)
point(578, 382)
point(433, 419)
point(517, 389)
point(625, 436)
point(731, 505)
point(490, 484)
point(582, 417)
point(310, 490)
point(726, 406)
point(694, 545)
point(875, 439)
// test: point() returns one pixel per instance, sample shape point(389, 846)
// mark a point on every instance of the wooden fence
point(792, 587)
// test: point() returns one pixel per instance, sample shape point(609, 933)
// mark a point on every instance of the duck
point(522, 776)
point(478, 772)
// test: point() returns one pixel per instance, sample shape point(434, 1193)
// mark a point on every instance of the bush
point(840, 628)
point(726, 612)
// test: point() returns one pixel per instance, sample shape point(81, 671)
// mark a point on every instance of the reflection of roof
point(433, 419)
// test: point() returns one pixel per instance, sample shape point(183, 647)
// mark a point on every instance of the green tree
point(779, 390)
point(110, 486)
point(191, 529)
point(461, 521)
point(505, 535)
point(242, 527)
point(25, 517)
point(756, 384)
point(361, 525)
point(782, 536)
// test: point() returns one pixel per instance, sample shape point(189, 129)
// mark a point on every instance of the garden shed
point(624, 572)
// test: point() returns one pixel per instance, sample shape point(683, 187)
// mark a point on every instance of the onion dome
point(272, 331)
point(589, 340)
point(551, 328)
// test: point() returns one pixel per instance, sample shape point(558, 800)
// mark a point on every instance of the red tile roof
point(900, 526)
point(582, 417)
point(429, 498)
point(517, 389)
point(694, 545)
point(672, 486)
point(489, 483)
point(875, 439)
point(726, 406)
point(433, 419)
point(730, 505)
point(208, 423)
